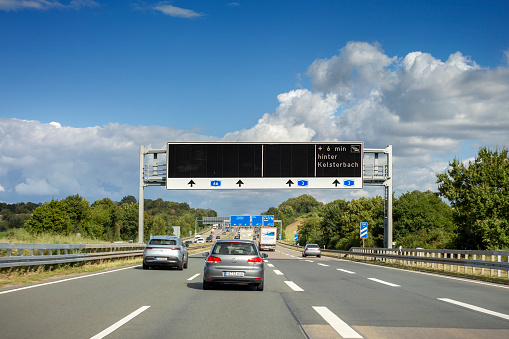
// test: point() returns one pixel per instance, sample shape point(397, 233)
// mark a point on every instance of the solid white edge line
point(346, 271)
point(194, 276)
point(278, 272)
point(476, 308)
point(119, 323)
point(59, 281)
point(294, 286)
point(383, 282)
point(339, 325)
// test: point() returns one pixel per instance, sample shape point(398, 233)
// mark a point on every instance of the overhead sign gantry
point(252, 166)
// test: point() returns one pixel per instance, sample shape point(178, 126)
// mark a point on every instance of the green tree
point(331, 221)
point(128, 200)
point(310, 231)
point(422, 219)
point(78, 211)
point(51, 218)
point(159, 227)
point(479, 195)
point(107, 217)
point(129, 228)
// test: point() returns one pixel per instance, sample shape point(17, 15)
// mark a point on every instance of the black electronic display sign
point(249, 165)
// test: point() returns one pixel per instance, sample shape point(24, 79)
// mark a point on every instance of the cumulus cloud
point(417, 102)
point(38, 159)
point(14, 5)
point(429, 110)
point(168, 9)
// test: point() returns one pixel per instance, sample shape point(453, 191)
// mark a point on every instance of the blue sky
point(92, 80)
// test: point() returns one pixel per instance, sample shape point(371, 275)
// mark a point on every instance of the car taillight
point(255, 260)
point(148, 248)
point(213, 259)
point(319, 249)
point(175, 248)
point(306, 249)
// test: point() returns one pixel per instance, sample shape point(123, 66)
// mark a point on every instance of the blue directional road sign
point(295, 237)
point(256, 220)
point(240, 220)
point(364, 230)
point(268, 220)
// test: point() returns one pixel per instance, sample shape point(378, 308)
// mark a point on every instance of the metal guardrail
point(447, 260)
point(21, 254)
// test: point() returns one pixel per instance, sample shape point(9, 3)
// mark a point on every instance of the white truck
point(267, 238)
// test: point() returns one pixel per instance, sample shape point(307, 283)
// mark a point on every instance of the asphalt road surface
point(303, 298)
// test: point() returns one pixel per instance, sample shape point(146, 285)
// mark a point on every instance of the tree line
point(469, 211)
point(476, 216)
point(112, 221)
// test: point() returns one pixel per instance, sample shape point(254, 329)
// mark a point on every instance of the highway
point(303, 298)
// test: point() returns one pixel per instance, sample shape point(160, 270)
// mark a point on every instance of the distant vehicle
point(188, 242)
point(311, 249)
point(234, 262)
point(267, 238)
point(196, 237)
point(246, 235)
point(208, 239)
point(237, 236)
point(199, 241)
point(165, 251)
point(218, 237)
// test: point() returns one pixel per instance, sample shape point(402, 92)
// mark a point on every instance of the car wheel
point(259, 287)
point(180, 266)
point(206, 285)
point(303, 255)
point(146, 267)
point(185, 265)
point(319, 255)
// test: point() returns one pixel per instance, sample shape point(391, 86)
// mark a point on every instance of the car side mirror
point(265, 255)
point(206, 254)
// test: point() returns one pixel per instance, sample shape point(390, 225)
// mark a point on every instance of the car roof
point(235, 240)
point(164, 237)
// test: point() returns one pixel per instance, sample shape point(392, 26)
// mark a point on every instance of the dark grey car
point(165, 251)
point(234, 262)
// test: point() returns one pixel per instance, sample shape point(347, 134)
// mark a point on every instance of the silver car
point(234, 262)
point(311, 249)
point(165, 251)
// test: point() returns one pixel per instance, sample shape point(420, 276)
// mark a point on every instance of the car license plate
point(161, 258)
point(233, 274)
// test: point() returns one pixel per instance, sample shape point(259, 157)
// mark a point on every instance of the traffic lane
point(88, 304)
point(485, 295)
point(362, 302)
point(228, 311)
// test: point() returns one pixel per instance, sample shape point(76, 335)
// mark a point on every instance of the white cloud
point(14, 5)
point(165, 8)
point(36, 187)
point(429, 110)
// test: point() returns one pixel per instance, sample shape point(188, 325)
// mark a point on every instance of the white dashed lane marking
point(339, 325)
point(383, 282)
point(294, 286)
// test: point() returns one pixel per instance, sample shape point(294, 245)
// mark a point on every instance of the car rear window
point(163, 242)
point(312, 246)
point(234, 248)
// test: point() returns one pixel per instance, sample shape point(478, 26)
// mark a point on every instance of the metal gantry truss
point(378, 172)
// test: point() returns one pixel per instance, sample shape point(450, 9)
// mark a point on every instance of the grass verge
point(13, 276)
